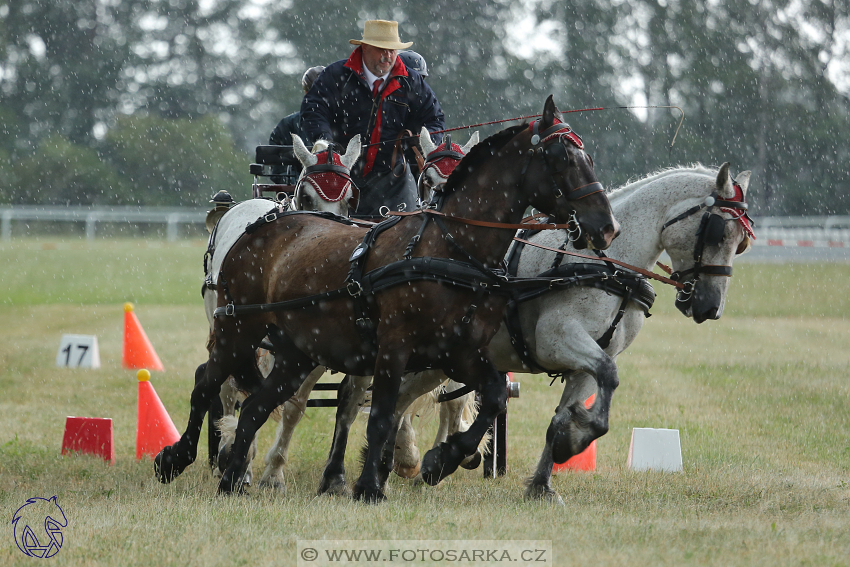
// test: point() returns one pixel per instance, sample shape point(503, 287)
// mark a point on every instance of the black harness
point(631, 287)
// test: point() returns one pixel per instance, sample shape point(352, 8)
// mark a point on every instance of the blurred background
point(161, 102)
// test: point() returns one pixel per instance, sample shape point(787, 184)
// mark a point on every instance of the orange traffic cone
point(154, 429)
point(586, 460)
point(138, 351)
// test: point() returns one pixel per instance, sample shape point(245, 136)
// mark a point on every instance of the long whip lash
point(673, 141)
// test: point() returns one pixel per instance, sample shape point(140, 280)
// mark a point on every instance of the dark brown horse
point(411, 325)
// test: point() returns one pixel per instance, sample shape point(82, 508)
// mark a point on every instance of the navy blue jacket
point(340, 105)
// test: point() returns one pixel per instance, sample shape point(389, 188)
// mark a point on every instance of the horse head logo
point(38, 527)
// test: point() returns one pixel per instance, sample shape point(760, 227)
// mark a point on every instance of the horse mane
point(479, 153)
point(634, 184)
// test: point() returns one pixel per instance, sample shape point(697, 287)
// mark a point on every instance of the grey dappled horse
point(668, 212)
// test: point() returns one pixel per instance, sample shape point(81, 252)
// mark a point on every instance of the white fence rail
point(172, 218)
point(816, 232)
point(823, 231)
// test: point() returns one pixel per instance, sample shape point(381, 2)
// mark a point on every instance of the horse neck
point(642, 208)
point(491, 196)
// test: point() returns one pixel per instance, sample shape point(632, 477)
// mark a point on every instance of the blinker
point(714, 230)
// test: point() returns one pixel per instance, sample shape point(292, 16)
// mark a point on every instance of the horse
point(440, 160)
point(317, 189)
point(575, 332)
point(395, 311)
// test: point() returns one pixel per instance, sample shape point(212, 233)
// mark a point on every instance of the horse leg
point(414, 397)
point(405, 451)
point(574, 427)
point(173, 460)
point(452, 420)
point(539, 486)
point(227, 399)
point(352, 392)
point(442, 461)
point(215, 413)
point(290, 370)
point(391, 360)
point(293, 410)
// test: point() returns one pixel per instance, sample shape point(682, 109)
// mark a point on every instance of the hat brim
point(381, 44)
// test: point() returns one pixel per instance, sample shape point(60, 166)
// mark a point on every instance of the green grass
point(761, 399)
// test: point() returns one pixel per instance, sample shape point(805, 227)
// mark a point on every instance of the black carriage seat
point(280, 165)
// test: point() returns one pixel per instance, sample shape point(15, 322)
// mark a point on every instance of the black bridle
point(711, 232)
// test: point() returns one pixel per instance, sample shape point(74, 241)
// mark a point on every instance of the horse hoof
point(407, 471)
point(544, 494)
point(230, 485)
point(369, 495)
point(333, 485)
point(165, 465)
point(473, 462)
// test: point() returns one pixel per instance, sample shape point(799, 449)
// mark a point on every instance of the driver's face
point(378, 61)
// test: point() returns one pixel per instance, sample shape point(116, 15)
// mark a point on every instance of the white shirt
point(371, 78)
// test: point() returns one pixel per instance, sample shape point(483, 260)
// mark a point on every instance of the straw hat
point(382, 34)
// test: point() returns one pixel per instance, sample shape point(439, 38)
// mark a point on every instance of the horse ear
point(473, 140)
point(352, 152)
point(744, 181)
point(550, 113)
point(425, 141)
point(723, 185)
point(302, 153)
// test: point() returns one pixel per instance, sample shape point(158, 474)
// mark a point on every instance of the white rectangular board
point(78, 351)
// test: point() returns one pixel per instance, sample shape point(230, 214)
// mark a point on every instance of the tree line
point(159, 102)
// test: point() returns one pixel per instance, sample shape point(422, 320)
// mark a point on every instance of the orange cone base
point(154, 429)
point(584, 461)
point(138, 350)
point(90, 435)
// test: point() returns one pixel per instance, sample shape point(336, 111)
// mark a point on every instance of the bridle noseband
point(711, 232)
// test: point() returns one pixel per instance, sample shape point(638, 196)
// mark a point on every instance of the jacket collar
point(355, 63)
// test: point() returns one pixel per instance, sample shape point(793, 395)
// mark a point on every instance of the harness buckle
point(365, 324)
point(384, 211)
point(271, 217)
point(229, 310)
point(469, 313)
point(354, 288)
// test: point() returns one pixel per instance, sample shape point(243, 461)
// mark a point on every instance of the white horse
point(694, 214)
point(311, 194)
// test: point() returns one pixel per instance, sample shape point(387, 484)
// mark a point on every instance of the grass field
point(761, 399)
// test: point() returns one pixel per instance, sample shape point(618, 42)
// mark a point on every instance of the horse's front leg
point(351, 393)
point(576, 385)
point(443, 460)
point(292, 412)
point(391, 361)
point(290, 370)
point(574, 427)
point(173, 459)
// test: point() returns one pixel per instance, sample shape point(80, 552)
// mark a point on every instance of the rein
point(487, 224)
point(641, 271)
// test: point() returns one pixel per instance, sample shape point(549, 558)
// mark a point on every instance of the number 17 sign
point(78, 351)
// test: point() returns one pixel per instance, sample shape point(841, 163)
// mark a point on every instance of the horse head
point(325, 183)
point(563, 180)
point(440, 161)
point(703, 240)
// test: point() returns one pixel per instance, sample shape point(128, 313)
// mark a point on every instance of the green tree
point(176, 162)
point(63, 173)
